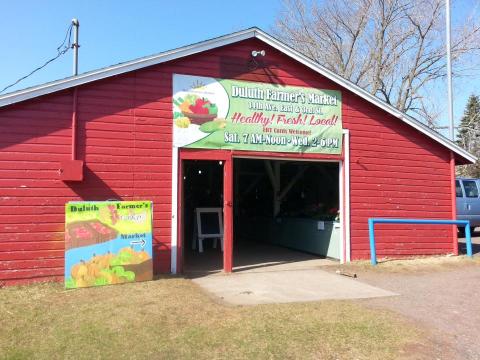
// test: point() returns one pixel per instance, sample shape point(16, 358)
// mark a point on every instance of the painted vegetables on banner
point(107, 242)
point(230, 114)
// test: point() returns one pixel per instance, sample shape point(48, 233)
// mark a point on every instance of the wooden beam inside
point(292, 182)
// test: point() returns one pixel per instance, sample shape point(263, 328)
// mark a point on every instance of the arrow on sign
point(141, 242)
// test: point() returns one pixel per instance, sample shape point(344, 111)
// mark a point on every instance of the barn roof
point(72, 81)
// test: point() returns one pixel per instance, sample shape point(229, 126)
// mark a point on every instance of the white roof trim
point(69, 82)
point(122, 68)
point(366, 95)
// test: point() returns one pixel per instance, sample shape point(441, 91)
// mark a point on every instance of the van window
point(471, 190)
point(458, 188)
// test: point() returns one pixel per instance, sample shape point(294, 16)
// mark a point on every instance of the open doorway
point(285, 212)
point(202, 214)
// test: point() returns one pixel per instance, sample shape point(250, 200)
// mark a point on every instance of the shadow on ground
point(462, 249)
point(251, 257)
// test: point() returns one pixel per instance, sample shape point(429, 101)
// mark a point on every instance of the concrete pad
point(251, 288)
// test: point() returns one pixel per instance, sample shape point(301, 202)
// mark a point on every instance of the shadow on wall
point(93, 188)
point(161, 257)
point(249, 65)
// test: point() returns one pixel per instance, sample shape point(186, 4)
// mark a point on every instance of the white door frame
point(344, 198)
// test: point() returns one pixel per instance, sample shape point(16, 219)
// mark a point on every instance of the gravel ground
point(443, 298)
point(445, 302)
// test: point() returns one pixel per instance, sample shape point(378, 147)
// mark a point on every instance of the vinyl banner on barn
point(230, 114)
point(108, 242)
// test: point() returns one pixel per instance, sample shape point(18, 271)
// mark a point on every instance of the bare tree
point(394, 49)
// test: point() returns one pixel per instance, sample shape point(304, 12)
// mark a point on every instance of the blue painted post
point(371, 233)
point(468, 240)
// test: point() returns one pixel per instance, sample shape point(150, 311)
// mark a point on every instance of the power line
point(62, 49)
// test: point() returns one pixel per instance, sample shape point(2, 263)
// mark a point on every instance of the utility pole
point(449, 72)
point(75, 45)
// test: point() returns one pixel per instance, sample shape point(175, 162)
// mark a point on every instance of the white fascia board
point(122, 68)
point(364, 94)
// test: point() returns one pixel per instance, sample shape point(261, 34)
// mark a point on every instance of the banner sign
point(107, 242)
point(230, 114)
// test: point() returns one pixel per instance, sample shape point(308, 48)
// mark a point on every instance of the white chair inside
point(202, 231)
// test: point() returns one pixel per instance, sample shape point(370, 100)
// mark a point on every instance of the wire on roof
point(62, 49)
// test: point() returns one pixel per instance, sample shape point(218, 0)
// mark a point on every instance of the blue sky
point(116, 31)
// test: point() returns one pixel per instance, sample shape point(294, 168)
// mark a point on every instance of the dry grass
point(412, 265)
point(172, 318)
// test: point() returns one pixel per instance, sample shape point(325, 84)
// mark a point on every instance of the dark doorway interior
point(202, 188)
point(285, 211)
point(300, 226)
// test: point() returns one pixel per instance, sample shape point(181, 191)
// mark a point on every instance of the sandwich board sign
point(107, 242)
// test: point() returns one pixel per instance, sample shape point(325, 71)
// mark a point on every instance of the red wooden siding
point(124, 136)
point(395, 171)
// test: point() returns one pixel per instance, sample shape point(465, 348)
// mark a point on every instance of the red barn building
point(108, 134)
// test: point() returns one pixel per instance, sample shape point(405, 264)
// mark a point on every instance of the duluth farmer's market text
point(136, 218)
point(277, 125)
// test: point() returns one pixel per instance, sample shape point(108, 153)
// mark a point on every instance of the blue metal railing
point(373, 221)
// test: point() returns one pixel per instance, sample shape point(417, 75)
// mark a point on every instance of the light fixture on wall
point(256, 53)
point(253, 64)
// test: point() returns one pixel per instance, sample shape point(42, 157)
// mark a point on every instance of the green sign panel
point(107, 242)
point(229, 114)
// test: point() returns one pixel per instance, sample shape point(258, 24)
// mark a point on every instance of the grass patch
point(173, 318)
point(410, 265)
